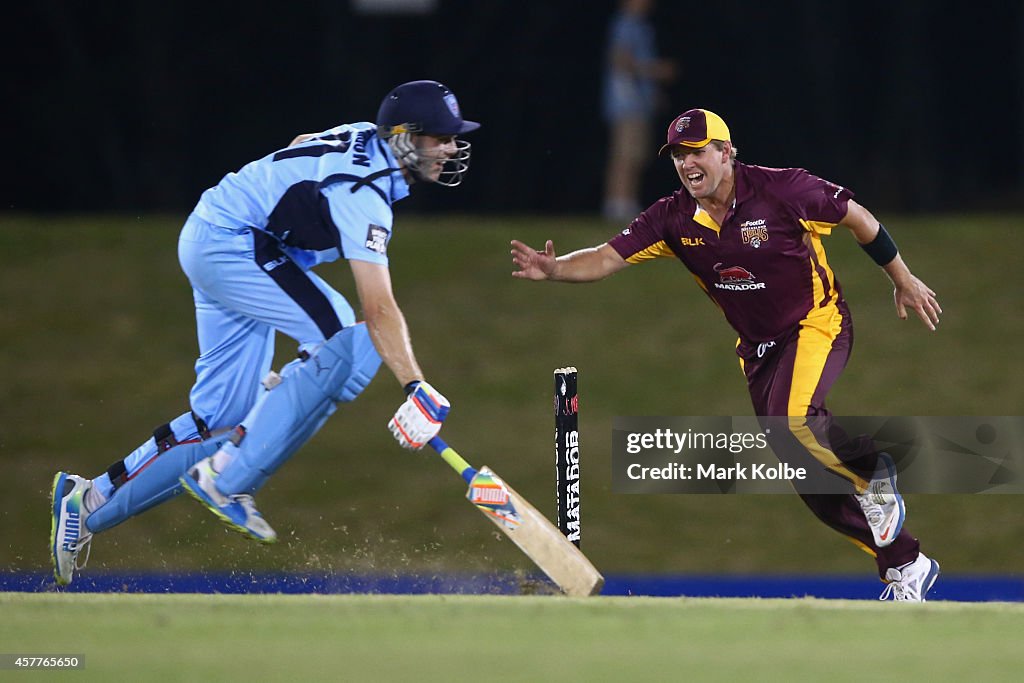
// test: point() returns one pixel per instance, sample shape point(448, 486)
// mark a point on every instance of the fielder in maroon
point(751, 237)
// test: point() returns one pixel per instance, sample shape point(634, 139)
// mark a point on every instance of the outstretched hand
point(533, 264)
point(916, 295)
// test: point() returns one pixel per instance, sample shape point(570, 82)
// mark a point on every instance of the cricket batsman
point(249, 250)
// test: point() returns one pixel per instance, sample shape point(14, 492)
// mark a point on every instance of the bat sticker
point(489, 494)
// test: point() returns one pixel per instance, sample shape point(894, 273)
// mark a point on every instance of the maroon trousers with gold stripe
point(792, 378)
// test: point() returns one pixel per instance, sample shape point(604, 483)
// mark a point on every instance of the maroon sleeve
point(813, 199)
point(643, 238)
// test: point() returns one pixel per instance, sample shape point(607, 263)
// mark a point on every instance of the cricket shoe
point(912, 581)
point(68, 534)
point(882, 504)
point(237, 511)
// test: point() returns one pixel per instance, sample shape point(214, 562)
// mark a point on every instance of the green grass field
point(97, 342)
point(462, 638)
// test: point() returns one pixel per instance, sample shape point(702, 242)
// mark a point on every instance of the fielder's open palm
point(533, 264)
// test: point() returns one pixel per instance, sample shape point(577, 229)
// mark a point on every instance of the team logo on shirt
point(736, 278)
point(754, 232)
point(377, 239)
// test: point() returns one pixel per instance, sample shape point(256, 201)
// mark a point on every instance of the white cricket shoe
point(68, 534)
point(882, 504)
point(237, 511)
point(912, 581)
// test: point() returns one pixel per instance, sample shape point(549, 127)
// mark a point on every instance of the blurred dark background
point(136, 108)
point(140, 106)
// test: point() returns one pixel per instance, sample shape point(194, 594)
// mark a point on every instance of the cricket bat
point(542, 542)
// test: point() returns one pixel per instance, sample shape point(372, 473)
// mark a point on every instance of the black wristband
point(411, 387)
point(882, 249)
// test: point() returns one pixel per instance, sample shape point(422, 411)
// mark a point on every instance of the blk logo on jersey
point(377, 239)
point(754, 232)
point(279, 261)
point(736, 278)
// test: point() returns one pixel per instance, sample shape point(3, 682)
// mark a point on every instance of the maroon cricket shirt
point(765, 266)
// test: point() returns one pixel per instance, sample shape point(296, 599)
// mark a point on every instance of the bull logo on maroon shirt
point(736, 278)
point(733, 274)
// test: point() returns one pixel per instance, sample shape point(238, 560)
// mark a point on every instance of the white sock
point(93, 498)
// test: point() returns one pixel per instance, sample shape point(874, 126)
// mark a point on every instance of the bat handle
point(452, 458)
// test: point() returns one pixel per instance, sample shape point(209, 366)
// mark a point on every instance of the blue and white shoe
point(912, 581)
point(237, 511)
point(68, 533)
point(882, 503)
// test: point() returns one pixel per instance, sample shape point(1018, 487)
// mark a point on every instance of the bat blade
point(537, 537)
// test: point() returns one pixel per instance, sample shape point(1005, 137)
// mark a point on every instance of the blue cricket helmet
point(425, 107)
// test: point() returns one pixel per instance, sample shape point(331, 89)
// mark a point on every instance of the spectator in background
point(632, 75)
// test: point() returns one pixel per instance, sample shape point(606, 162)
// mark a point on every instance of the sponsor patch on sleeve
point(377, 239)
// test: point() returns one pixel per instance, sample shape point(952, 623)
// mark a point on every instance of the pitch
point(444, 638)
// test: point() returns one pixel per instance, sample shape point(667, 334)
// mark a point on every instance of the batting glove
point(419, 419)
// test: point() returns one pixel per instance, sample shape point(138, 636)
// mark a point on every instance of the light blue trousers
point(245, 288)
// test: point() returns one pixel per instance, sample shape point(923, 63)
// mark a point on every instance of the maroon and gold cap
point(695, 128)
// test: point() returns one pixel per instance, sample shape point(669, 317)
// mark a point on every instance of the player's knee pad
point(184, 428)
point(338, 370)
point(345, 364)
point(152, 485)
point(294, 410)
